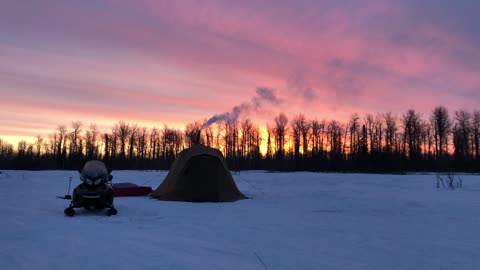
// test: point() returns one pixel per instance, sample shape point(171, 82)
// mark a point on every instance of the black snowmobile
point(95, 191)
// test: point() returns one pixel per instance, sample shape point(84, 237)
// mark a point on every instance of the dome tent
point(199, 174)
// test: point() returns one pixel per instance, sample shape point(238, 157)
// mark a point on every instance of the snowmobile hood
point(94, 172)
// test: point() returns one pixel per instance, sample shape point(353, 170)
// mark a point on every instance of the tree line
point(372, 143)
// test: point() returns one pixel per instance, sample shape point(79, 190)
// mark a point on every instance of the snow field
point(292, 221)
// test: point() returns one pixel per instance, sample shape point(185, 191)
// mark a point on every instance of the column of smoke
point(262, 96)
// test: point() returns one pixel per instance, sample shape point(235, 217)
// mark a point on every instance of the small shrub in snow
point(448, 181)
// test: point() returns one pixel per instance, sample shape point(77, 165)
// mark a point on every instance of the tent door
point(202, 173)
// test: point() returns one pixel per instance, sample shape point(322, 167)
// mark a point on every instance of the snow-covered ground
point(293, 221)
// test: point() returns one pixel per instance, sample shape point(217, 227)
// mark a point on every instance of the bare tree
point(390, 131)
point(91, 137)
point(142, 143)
point(412, 133)
point(254, 143)
point(192, 133)
point(22, 148)
point(231, 139)
point(335, 138)
point(29, 150)
point(377, 134)
point(441, 124)
point(354, 129)
point(61, 141)
point(75, 139)
point(270, 134)
point(461, 132)
point(476, 133)
point(132, 141)
point(209, 136)
point(122, 130)
point(300, 130)
point(6, 150)
point(38, 145)
point(305, 130)
point(246, 142)
point(172, 142)
point(281, 122)
point(369, 122)
point(297, 125)
point(154, 143)
point(315, 136)
point(426, 136)
point(318, 137)
point(363, 144)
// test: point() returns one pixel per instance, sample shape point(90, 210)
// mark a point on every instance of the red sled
point(130, 189)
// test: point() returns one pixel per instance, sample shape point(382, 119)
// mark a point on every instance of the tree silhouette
point(412, 134)
point(354, 130)
point(441, 127)
point(380, 143)
point(281, 122)
point(38, 146)
point(390, 132)
point(476, 133)
point(91, 137)
point(461, 133)
point(192, 133)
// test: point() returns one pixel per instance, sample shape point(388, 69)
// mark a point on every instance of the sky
point(158, 63)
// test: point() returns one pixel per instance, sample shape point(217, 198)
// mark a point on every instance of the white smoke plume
point(262, 95)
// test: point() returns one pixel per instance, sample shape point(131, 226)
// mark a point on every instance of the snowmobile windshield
point(93, 180)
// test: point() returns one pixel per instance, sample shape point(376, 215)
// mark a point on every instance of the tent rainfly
point(199, 174)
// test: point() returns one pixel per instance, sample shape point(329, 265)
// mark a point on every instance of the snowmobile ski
point(112, 212)
point(69, 211)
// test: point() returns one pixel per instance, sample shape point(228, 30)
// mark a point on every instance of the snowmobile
point(95, 191)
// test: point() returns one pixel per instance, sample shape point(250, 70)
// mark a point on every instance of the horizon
point(161, 63)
